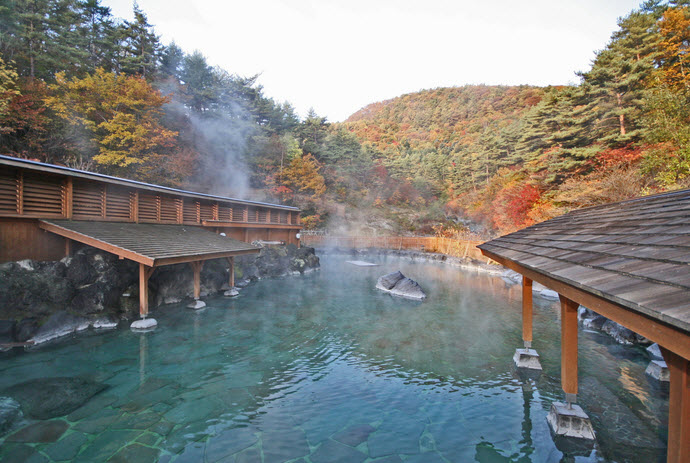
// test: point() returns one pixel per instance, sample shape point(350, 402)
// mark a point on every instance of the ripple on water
point(326, 368)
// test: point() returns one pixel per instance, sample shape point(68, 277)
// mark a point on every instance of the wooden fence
point(449, 246)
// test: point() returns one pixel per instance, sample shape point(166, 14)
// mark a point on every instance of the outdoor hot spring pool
point(325, 368)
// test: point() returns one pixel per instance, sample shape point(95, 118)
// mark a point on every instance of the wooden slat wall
point(169, 208)
point(88, 200)
point(238, 213)
point(149, 208)
point(43, 194)
point(9, 192)
point(118, 203)
point(190, 211)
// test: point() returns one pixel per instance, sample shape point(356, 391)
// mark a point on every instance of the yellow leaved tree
point(114, 120)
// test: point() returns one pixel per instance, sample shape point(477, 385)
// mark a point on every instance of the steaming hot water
point(325, 368)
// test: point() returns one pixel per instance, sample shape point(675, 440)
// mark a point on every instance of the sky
point(337, 56)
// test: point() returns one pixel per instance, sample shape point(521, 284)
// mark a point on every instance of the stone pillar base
point(570, 421)
point(144, 324)
point(658, 370)
point(196, 305)
point(527, 358)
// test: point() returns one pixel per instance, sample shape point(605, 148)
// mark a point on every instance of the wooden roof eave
point(670, 336)
point(133, 256)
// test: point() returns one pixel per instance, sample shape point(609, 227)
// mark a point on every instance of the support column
point(527, 357)
point(678, 407)
point(569, 349)
point(144, 324)
point(231, 270)
point(68, 247)
point(568, 419)
point(144, 275)
point(196, 267)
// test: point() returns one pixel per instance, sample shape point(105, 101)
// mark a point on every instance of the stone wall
point(96, 289)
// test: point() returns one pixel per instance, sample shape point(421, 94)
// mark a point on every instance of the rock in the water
point(658, 370)
point(549, 294)
point(386, 282)
point(41, 432)
point(145, 324)
point(231, 293)
point(59, 324)
point(104, 323)
point(196, 305)
point(243, 283)
point(46, 398)
point(399, 285)
point(655, 352)
point(10, 413)
point(621, 333)
point(594, 323)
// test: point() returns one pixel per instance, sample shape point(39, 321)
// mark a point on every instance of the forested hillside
point(511, 156)
point(82, 88)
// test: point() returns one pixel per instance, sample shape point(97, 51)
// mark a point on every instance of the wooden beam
point(214, 255)
point(668, 336)
point(220, 223)
point(144, 275)
point(569, 345)
point(196, 267)
point(69, 198)
point(678, 408)
point(231, 262)
point(526, 311)
point(68, 247)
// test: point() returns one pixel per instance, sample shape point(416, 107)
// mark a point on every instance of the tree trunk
point(621, 117)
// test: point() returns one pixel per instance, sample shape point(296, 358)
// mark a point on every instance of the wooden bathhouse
point(47, 209)
point(628, 261)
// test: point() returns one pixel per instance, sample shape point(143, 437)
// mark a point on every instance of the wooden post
point(678, 407)
point(144, 275)
point(569, 348)
point(196, 266)
point(69, 195)
point(68, 247)
point(527, 312)
point(231, 262)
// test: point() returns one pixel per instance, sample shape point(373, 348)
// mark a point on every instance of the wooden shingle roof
point(151, 244)
point(633, 253)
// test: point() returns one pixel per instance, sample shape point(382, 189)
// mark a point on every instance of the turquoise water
point(324, 368)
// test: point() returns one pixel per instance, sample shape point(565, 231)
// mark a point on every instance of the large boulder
point(388, 281)
point(622, 334)
point(59, 324)
point(398, 284)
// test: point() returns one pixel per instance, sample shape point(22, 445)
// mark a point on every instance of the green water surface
point(325, 368)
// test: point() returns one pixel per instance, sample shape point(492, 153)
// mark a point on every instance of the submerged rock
point(10, 413)
point(196, 305)
point(399, 285)
point(231, 293)
point(47, 398)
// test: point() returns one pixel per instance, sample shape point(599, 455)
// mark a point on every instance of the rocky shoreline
point(42, 301)
point(467, 264)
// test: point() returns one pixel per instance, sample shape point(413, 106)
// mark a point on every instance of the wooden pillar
point(678, 407)
point(231, 270)
point(196, 266)
point(144, 275)
point(569, 348)
point(527, 312)
point(68, 247)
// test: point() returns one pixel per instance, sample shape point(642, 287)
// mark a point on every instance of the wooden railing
point(455, 247)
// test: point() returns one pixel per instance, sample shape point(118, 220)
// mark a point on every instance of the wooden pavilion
point(45, 209)
point(628, 261)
